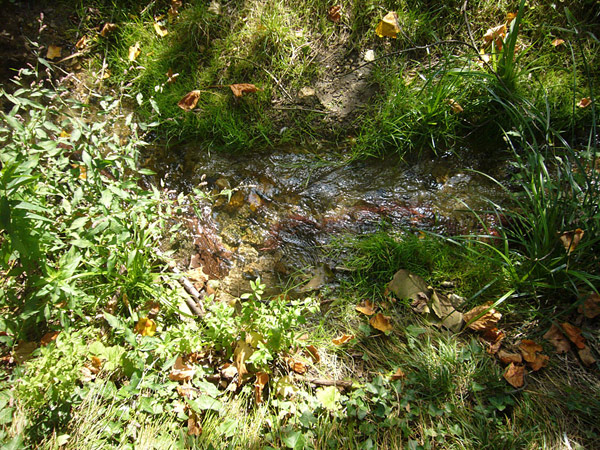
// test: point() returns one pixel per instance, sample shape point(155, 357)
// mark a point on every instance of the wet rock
point(237, 200)
point(223, 183)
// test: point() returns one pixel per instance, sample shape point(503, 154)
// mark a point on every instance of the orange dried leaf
point(557, 42)
point(145, 327)
point(181, 371)
point(107, 29)
point(510, 17)
point(49, 337)
point(574, 334)
point(54, 51)
point(389, 26)
point(334, 13)
point(134, 51)
point(381, 323)
point(584, 102)
point(341, 340)
point(367, 308)
point(591, 306)
point(262, 379)
point(586, 356)
point(97, 364)
point(455, 106)
point(509, 358)
point(296, 366)
point(570, 239)
point(243, 88)
point(314, 353)
point(194, 427)
point(189, 100)
point(515, 375)
point(398, 375)
point(488, 320)
point(493, 34)
point(528, 349)
point(82, 43)
point(540, 361)
point(557, 339)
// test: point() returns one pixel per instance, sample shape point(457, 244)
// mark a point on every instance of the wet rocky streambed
point(272, 213)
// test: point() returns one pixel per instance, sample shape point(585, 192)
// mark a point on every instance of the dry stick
point(268, 73)
point(324, 382)
point(464, 11)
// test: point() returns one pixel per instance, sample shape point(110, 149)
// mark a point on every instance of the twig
point(470, 33)
point(290, 108)
point(337, 383)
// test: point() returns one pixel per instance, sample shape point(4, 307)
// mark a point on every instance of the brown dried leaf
point(419, 304)
point(171, 77)
point(243, 88)
point(389, 26)
point(194, 427)
point(494, 34)
point(186, 391)
point(367, 308)
point(557, 42)
point(82, 43)
point(54, 51)
point(296, 366)
point(557, 339)
point(229, 371)
point(174, 8)
point(189, 100)
point(49, 337)
point(574, 334)
point(262, 379)
point(86, 374)
point(529, 349)
point(334, 13)
point(570, 239)
point(455, 106)
point(586, 356)
point(540, 361)
point(341, 340)
point(240, 355)
point(487, 321)
point(134, 51)
point(181, 371)
point(515, 375)
point(314, 353)
point(398, 375)
point(584, 102)
point(591, 306)
point(509, 358)
point(107, 29)
point(96, 364)
point(510, 17)
point(381, 323)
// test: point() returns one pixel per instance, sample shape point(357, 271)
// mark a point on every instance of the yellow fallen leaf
point(145, 327)
point(510, 17)
point(381, 323)
point(189, 101)
point(107, 29)
point(54, 51)
point(240, 355)
point(455, 106)
point(341, 340)
point(557, 42)
point(134, 52)
point(388, 27)
point(181, 371)
point(160, 29)
point(367, 308)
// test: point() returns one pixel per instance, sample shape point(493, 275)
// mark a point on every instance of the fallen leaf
point(570, 239)
point(557, 42)
point(584, 102)
point(134, 52)
point(515, 375)
point(189, 100)
point(240, 355)
point(493, 338)
point(398, 375)
point(494, 34)
point(574, 334)
point(557, 339)
point(297, 366)
point(23, 351)
point(82, 43)
point(49, 337)
point(455, 106)
point(405, 284)
point(145, 327)
point(54, 51)
point(445, 311)
point(389, 26)
point(419, 305)
point(153, 309)
point(341, 340)
point(174, 8)
point(334, 13)
point(381, 323)
point(243, 88)
point(171, 77)
point(586, 356)
point(367, 308)
point(96, 364)
point(181, 371)
point(529, 348)
point(540, 361)
point(285, 387)
point(186, 391)
point(86, 374)
point(508, 358)
point(510, 17)
point(107, 29)
point(262, 379)
point(590, 308)
point(314, 353)
point(488, 320)
point(229, 371)
point(194, 427)
point(160, 29)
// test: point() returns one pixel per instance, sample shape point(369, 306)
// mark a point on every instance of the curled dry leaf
point(243, 88)
point(107, 29)
point(181, 371)
point(228, 371)
point(296, 366)
point(419, 304)
point(557, 339)
point(590, 308)
point(171, 77)
point(189, 100)
point(495, 34)
point(558, 42)
point(367, 308)
point(584, 102)
point(160, 29)
point(540, 361)
point(314, 353)
point(262, 379)
point(82, 43)
point(134, 51)
point(509, 358)
point(341, 340)
point(570, 239)
point(334, 13)
point(574, 334)
point(529, 348)
point(488, 320)
point(145, 327)
point(493, 338)
point(49, 337)
point(455, 106)
point(186, 391)
point(389, 26)
point(381, 323)
point(96, 364)
point(510, 17)
point(54, 51)
point(174, 8)
point(515, 375)
point(586, 356)
point(398, 375)
point(194, 427)
point(240, 355)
